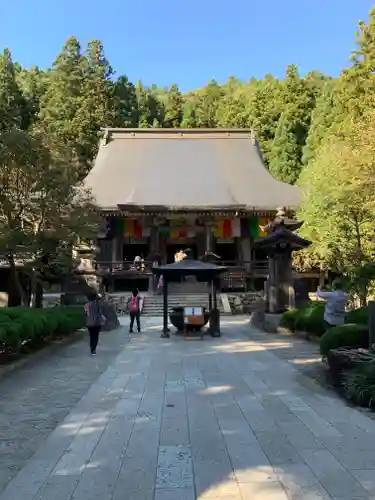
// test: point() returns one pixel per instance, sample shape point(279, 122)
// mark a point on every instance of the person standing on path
point(335, 308)
point(94, 319)
point(135, 310)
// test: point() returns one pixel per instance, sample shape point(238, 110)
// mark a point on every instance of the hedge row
point(311, 319)
point(20, 326)
point(349, 335)
point(308, 319)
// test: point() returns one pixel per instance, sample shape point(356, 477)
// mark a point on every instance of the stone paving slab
point(231, 418)
point(38, 396)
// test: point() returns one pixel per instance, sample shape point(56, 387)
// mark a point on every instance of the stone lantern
point(280, 242)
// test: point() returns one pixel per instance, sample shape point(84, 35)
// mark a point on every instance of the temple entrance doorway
point(131, 251)
point(173, 248)
point(227, 251)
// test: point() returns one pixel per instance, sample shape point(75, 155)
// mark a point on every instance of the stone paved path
point(224, 419)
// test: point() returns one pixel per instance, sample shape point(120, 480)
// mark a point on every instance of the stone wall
point(246, 302)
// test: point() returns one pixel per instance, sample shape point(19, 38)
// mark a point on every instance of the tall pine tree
point(292, 129)
point(173, 108)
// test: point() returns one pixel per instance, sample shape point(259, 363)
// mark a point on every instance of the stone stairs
point(153, 304)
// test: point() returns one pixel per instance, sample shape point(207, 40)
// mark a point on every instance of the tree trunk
point(15, 292)
point(36, 291)
point(362, 294)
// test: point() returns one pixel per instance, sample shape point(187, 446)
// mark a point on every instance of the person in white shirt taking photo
point(335, 307)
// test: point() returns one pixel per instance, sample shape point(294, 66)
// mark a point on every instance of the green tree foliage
point(173, 108)
point(207, 103)
point(125, 104)
point(264, 107)
point(339, 202)
point(13, 104)
point(78, 100)
point(40, 199)
point(149, 108)
point(322, 118)
point(310, 129)
point(298, 98)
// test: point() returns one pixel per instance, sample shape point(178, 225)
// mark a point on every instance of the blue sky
point(189, 42)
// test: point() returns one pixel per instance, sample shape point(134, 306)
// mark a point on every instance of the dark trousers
point(328, 326)
point(135, 316)
point(94, 337)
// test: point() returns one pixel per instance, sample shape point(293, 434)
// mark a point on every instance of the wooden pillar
point(114, 252)
point(215, 313)
point(154, 240)
point(165, 333)
point(208, 241)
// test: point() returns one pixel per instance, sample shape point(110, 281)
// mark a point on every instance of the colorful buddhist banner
point(176, 234)
point(129, 228)
point(252, 227)
point(219, 230)
point(227, 229)
point(115, 226)
point(132, 228)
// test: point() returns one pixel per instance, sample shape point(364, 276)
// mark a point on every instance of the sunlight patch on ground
point(261, 482)
point(305, 361)
point(238, 347)
point(217, 389)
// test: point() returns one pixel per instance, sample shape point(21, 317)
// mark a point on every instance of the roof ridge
point(178, 130)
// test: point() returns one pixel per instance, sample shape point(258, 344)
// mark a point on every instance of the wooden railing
point(123, 266)
point(245, 265)
point(234, 267)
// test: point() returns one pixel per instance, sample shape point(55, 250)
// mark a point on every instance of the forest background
point(314, 130)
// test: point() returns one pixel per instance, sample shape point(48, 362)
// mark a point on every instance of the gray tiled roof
point(182, 169)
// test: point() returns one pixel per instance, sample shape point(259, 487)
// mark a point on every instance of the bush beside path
point(23, 330)
point(351, 365)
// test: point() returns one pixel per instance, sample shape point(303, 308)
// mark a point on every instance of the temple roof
point(279, 236)
point(185, 169)
point(204, 271)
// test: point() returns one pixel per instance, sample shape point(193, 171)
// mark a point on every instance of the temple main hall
point(160, 191)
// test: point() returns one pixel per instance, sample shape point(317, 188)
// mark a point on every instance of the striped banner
point(223, 229)
point(118, 225)
point(218, 231)
point(178, 233)
point(227, 229)
point(129, 228)
point(132, 228)
point(251, 227)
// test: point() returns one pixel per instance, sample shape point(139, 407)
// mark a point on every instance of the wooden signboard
point(193, 316)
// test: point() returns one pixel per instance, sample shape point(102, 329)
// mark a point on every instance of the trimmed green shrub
point(358, 316)
point(349, 335)
point(289, 319)
point(19, 325)
point(359, 385)
point(309, 319)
